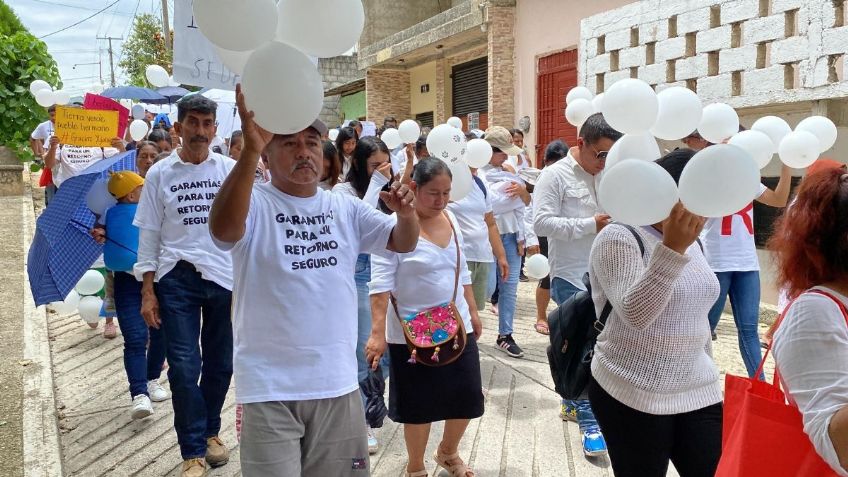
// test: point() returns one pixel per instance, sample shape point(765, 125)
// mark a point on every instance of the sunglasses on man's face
point(600, 155)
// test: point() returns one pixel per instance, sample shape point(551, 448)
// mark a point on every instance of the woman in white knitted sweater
point(655, 387)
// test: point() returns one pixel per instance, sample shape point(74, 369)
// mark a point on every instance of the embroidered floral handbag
point(435, 336)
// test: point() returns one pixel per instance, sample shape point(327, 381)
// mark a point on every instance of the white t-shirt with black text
point(294, 299)
point(72, 160)
point(175, 203)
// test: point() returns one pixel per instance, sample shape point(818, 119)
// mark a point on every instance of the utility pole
point(111, 63)
point(166, 29)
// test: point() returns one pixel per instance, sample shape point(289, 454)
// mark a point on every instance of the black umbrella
point(373, 387)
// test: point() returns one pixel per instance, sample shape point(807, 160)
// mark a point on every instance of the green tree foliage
point(23, 59)
point(145, 46)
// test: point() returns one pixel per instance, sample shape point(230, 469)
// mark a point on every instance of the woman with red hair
point(811, 342)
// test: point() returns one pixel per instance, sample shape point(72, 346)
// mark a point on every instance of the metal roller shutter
point(470, 87)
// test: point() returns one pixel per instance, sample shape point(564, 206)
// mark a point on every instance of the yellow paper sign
point(86, 127)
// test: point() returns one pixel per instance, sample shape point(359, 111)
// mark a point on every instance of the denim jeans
point(141, 363)
point(508, 290)
point(562, 290)
point(744, 291)
point(196, 350)
point(362, 276)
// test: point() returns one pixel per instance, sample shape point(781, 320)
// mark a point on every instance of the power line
point(78, 7)
point(81, 21)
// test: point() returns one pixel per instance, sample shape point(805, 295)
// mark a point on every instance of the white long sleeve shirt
point(173, 216)
point(811, 353)
point(565, 203)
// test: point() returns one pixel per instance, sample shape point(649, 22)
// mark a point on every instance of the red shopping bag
point(46, 177)
point(763, 435)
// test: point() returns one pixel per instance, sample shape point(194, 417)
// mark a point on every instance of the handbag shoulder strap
point(456, 269)
point(605, 313)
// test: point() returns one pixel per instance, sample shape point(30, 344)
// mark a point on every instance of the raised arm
point(780, 195)
point(229, 210)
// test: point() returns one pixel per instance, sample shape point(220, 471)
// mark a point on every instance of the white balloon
point(718, 123)
point(821, 127)
point(578, 111)
point(98, 199)
point(45, 97)
point(283, 88)
point(680, 112)
point(156, 75)
point(233, 60)
point(799, 149)
point(60, 97)
point(97, 88)
point(68, 305)
point(91, 282)
point(774, 127)
point(597, 102)
point(409, 131)
point(461, 181)
point(333, 134)
point(755, 143)
point(455, 122)
point(38, 85)
point(325, 28)
point(578, 92)
point(537, 267)
point(391, 137)
point(89, 308)
point(446, 143)
point(719, 181)
point(238, 26)
point(633, 146)
point(637, 192)
point(630, 106)
point(138, 129)
point(478, 153)
point(138, 111)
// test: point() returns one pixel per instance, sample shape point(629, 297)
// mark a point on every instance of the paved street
point(519, 435)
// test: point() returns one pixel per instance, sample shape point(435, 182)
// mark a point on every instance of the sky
point(79, 44)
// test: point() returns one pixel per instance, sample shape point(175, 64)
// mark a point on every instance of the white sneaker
point(141, 407)
point(157, 392)
point(373, 444)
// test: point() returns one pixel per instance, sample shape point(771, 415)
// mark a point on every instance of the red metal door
point(557, 73)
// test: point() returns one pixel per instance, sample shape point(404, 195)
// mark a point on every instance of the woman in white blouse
point(419, 280)
point(811, 342)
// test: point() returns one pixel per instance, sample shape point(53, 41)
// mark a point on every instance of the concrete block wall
point(746, 53)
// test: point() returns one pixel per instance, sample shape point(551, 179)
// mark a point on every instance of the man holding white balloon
point(186, 276)
point(568, 213)
point(292, 244)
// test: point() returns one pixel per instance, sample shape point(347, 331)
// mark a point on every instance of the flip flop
point(542, 328)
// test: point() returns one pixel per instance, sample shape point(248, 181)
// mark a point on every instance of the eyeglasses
point(600, 155)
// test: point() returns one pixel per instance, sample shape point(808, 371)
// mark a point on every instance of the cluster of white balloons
point(718, 181)
point(46, 96)
point(82, 298)
point(269, 44)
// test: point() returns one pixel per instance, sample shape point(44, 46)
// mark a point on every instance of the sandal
point(542, 328)
point(418, 473)
point(458, 469)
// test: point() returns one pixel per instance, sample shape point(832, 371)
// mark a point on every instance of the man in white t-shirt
point(294, 249)
point(42, 133)
point(186, 276)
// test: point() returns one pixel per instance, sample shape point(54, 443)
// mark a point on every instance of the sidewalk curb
point(42, 452)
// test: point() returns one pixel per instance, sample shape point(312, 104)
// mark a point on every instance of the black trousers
point(642, 444)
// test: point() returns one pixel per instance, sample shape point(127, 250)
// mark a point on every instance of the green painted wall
point(352, 106)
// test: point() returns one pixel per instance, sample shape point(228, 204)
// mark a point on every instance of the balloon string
point(109, 239)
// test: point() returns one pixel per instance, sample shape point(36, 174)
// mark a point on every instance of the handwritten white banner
point(195, 60)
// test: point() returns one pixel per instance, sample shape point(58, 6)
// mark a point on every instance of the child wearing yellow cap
point(120, 252)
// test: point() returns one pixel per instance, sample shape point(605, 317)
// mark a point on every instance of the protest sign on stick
point(85, 127)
